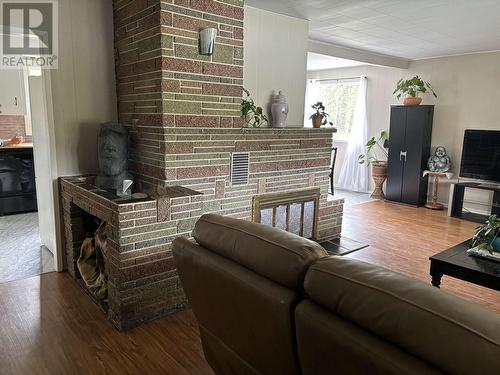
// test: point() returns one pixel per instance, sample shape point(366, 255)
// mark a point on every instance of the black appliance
point(17, 181)
point(481, 155)
point(409, 150)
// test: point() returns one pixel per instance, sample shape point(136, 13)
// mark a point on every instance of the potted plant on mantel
point(375, 148)
point(252, 114)
point(411, 88)
point(320, 117)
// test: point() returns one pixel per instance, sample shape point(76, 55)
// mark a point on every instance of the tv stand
point(489, 185)
point(455, 208)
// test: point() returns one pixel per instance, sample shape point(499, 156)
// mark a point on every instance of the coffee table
point(456, 263)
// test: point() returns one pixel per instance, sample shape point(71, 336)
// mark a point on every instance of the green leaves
point(412, 87)
point(254, 115)
point(320, 111)
point(485, 234)
point(372, 145)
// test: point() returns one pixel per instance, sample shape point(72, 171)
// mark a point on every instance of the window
point(339, 96)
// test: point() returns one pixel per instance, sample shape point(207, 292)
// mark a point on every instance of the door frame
point(44, 151)
point(50, 146)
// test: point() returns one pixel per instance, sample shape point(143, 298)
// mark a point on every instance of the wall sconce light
point(207, 41)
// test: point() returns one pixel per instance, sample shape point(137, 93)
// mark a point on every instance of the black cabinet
point(17, 180)
point(409, 149)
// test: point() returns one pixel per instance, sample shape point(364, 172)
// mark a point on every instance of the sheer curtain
point(354, 176)
point(312, 97)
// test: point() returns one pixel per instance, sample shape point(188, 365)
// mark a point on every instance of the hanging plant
point(253, 115)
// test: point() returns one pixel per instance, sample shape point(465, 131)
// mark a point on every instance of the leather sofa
point(270, 302)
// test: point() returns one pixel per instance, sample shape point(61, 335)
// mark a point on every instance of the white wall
point(275, 48)
point(83, 88)
point(468, 97)
point(79, 95)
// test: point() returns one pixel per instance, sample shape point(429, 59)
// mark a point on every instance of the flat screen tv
point(481, 155)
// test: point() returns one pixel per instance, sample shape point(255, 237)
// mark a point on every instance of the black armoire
point(409, 149)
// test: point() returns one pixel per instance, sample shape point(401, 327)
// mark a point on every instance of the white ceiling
point(321, 62)
point(415, 29)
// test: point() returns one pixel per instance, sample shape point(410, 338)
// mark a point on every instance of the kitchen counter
point(20, 146)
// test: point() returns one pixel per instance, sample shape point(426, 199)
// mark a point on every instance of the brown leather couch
point(269, 302)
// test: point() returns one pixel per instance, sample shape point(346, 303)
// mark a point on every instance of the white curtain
point(354, 176)
point(312, 97)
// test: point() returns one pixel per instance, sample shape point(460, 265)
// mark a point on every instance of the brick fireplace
point(182, 110)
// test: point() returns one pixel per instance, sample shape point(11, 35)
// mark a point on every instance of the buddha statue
point(439, 162)
point(112, 151)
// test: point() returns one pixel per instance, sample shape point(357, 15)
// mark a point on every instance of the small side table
point(434, 205)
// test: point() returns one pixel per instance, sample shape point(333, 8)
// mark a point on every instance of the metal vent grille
point(239, 168)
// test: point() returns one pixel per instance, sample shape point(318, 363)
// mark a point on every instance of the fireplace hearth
point(293, 211)
point(142, 283)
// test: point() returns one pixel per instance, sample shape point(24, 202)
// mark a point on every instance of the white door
point(44, 174)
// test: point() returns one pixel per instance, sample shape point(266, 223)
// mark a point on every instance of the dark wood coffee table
point(456, 263)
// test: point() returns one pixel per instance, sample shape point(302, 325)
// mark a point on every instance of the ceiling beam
point(355, 54)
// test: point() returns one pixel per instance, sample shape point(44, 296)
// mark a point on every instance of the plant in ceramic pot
point(253, 115)
point(376, 156)
point(486, 236)
point(319, 117)
point(410, 90)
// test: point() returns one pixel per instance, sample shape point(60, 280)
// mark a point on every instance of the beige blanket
point(90, 263)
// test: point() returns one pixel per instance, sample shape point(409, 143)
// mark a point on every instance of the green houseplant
point(486, 235)
point(253, 115)
point(411, 88)
point(319, 117)
point(376, 156)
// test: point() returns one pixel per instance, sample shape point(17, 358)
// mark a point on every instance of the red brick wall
point(183, 110)
point(164, 83)
point(183, 113)
point(11, 125)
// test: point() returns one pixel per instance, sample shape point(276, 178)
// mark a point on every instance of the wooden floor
point(49, 326)
point(403, 238)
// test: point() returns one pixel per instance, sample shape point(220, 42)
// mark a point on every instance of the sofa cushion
point(326, 341)
point(276, 254)
point(454, 335)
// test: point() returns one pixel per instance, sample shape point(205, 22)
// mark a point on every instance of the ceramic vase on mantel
point(279, 111)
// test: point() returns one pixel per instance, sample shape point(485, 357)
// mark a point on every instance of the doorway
point(27, 209)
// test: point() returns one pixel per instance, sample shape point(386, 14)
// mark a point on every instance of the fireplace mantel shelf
point(290, 129)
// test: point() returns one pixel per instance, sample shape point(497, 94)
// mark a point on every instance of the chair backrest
point(334, 156)
point(243, 281)
point(332, 170)
point(408, 326)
